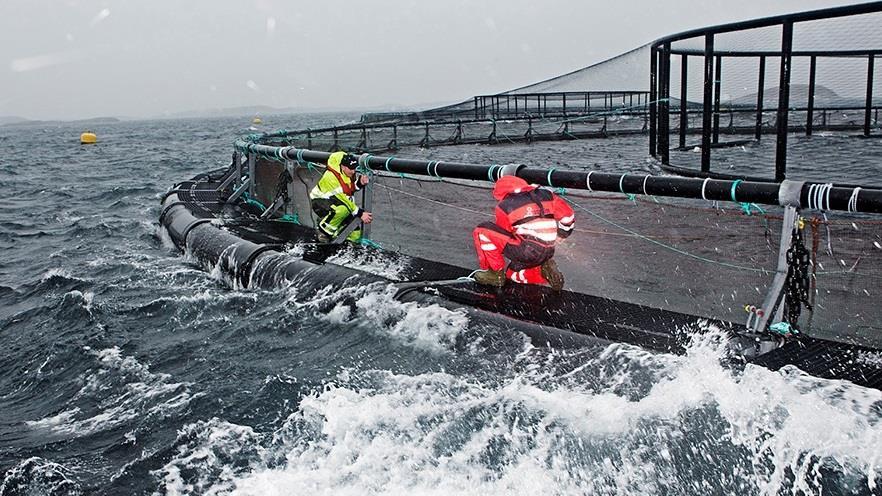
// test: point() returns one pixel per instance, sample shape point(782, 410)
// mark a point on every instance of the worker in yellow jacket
point(332, 201)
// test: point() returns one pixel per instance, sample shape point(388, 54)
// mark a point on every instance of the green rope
point(745, 207)
point(252, 201)
point(292, 218)
point(387, 163)
point(367, 242)
point(631, 196)
point(734, 186)
point(362, 165)
point(490, 173)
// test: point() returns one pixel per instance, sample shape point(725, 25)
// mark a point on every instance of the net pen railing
point(801, 73)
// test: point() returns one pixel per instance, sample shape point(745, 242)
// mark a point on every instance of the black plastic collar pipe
point(811, 195)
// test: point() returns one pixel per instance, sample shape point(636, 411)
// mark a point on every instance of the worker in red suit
point(529, 222)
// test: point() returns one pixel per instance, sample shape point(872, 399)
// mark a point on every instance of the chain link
point(797, 284)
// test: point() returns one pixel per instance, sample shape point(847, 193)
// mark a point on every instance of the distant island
point(245, 111)
point(8, 120)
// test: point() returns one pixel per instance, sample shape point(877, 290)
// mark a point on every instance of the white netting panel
point(627, 72)
point(857, 32)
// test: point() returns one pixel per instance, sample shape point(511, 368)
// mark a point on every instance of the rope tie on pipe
point(588, 181)
point(363, 160)
point(645, 178)
point(704, 188)
point(819, 196)
point(852, 202)
point(548, 178)
point(387, 164)
point(630, 196)
point(734, 187)
point(490, 173)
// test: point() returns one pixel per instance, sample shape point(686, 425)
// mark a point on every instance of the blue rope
point(734, 186)
point(747, 206)
point(490, 173)
point(362, 165)
point(387, 163)
point(367, 242)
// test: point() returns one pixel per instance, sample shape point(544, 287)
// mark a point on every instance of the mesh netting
point(693, 257)
point(624, 72)
point(690, 257)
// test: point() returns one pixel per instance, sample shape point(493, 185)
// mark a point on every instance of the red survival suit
point(529, 220)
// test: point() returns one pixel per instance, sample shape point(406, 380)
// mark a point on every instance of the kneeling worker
point(529, 221)
point(332, 201)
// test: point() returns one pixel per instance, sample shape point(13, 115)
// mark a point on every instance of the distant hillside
point(228, 112)
point(11, 119)
point(263, 110)
point(85, 122)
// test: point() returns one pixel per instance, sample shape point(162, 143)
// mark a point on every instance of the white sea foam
point(375, 263)
point(85, 298)
point(56, 272)
point(431, 327)
point(124, 389)
point(165, 238)
point(538, 431)
point(38, 476)
point(428, 327)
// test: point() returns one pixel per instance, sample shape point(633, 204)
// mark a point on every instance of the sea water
point(128, 369)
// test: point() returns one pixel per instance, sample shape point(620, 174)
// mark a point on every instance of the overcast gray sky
point(68, 59)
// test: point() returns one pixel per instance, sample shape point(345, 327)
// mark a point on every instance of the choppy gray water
point(127, 369)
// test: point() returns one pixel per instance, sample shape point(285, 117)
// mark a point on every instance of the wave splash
point(559, 422)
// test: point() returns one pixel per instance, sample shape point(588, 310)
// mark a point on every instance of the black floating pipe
point(761, 86)
point(783, 102)
point(653, 95)
point(811, 195)
point(664, 127)
point(810, 111)
point(684, 116)
point(870, 63)
point(706, 109)
point(718, 80)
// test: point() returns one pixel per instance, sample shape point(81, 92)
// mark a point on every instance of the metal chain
point(282, 186)
point(797, 285)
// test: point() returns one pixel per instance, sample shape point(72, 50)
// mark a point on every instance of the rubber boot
point(551, 274)
point(494, 278)
point(323, 237)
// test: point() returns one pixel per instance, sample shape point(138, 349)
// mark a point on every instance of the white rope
point(588, 181)
point(852, 202)
point(644, 185)
point(621, 180)
point(819, 196)
point(703, 186)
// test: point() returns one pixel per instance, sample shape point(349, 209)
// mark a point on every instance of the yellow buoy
point(256, 120)
point(88, 138)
